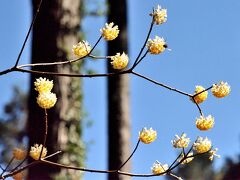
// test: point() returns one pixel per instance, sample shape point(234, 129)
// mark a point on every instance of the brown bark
point(54, 33)
point(118, 96)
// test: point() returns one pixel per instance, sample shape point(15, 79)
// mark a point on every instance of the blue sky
point(204, 38)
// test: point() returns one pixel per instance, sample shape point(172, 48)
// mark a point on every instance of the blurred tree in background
point(56, 29)
point(12, 124)
point(118, 95)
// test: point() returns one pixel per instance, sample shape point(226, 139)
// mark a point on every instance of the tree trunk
point(118, 96)
point(55, 31)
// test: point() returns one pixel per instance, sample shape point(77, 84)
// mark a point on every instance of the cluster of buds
point(201, 145)
point(158, 44)
point(36, 152)
point(81, 49)
point(109, 33)
point(219, 90)
point(46, 99)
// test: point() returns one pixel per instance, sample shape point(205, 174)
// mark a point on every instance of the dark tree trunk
point(55, 31)
point(118, 95)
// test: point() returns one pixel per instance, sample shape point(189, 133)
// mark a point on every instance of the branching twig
point(9, 163)
point(130, 155)
point(199, 109)
point(137, 62)
point(19, 164)
point(28, 33)
point(144, 44)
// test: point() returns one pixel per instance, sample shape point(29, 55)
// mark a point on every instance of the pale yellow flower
point(147, 136)
point(19, 154)
point(43, 85)
point(221, 89)
point(156, 45)
point(46, 100)
point(158, 168)
point(180, 142)
point(205, 123)
point(119, 61)
point(18, 176)
point(202, 145)
point(212, 153)
point(110, 32)
point(187, 160)
point(159, 15)
point(81, 49)
point(35, 151)
point(202, 96)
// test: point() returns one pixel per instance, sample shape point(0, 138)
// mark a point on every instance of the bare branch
point(160, 84)
point(28, 33)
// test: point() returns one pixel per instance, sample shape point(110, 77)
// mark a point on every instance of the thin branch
point(160, 84)
point(64, 62)
point(19, 164)
point(144, 44)
point(199, 109)
point(46, 128)
point(179, 162)
point(130, 155)
point(45, 133)
point(75, 168)
point(175, 160)
point(51, 155)
point(72, 75)
point(175, 176)
point(16, 170)
point(9, 163)
point(135, 64)
point(95, 45)
point(20, 169)
point(99, 57)
point(7, 71)
point(28, 33)
point(202, 91)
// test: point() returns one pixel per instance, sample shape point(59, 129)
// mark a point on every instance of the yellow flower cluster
point(158, 168)
point(159, 15)
point(221, 89)
point(212, 153)
point(202, 96)
point(81, 49)
point(110, 32)
point(36, 150)
point(202, 145)
point(147, 136)
point(43, 85)
point(156, 45)
point(180, 142)
point(18, 176)
point(119, 61)
point(187, 159)
point(46, 99)
point(19, 154)
point(205, 123)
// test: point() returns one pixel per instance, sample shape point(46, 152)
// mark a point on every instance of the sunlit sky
point(204, 38)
